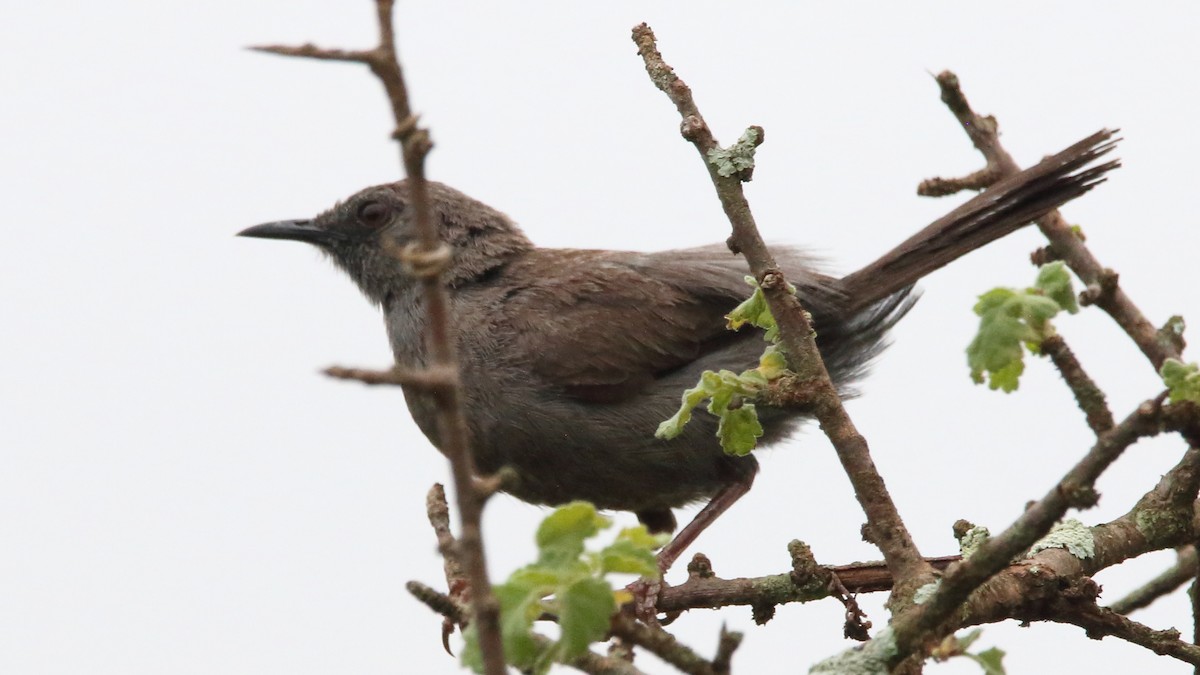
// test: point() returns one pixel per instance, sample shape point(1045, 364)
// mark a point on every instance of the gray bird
point(571, 358)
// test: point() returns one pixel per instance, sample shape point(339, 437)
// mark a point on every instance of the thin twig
point(415, 145)
point(1090, 398)
point(592, 663)
point(1030, 589)
point(1194, 592)
point(888, 530)
point(1076, 489)
point(1169, 581)
point(429, 379)
point(942, 187)
point(727, 644)
point(1101, 282)
point(712, 592)
point(662, 644)
point(1100, 622)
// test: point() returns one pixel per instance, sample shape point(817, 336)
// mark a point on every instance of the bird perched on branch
point(570, 359)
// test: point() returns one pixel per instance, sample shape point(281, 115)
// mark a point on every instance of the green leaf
point(739, 427)
point(990, 660)
point(472, 656)
point(632, 553)
point(1011, 321)
point(772, 365)
point(519, 607)
point(753, 311)
point(670, 428)
point(585, 609)
point(1182, 380)
point(729, 393)
point(560, 536)
point(541, 579)
point(722, 395)
point(1055, 283)
point(569, 582)
point(640, 537)
point(739, 430)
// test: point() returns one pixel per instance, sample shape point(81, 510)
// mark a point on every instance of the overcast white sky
point(182, 492)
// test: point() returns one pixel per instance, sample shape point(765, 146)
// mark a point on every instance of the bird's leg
point(645, 591)
point(719, 504)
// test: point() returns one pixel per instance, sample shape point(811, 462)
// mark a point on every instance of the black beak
point(296, 230)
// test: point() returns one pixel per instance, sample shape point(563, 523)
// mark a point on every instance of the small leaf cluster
point(568, 582)
point(1182, 380)
point(1011, 321)
point(729, 394)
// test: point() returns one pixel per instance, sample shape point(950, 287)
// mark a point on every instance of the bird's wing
point(604, 325)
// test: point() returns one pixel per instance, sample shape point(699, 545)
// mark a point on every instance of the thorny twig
point(416, 144)
point(888, 530)
point(1101, 282)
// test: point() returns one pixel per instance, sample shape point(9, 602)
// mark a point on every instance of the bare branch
point(711, 592)
point(942, 187)
point(452, 432)
point(311, 51)
point(1090, 398)
point(593, 663)
point(431, 379)
point(1066, 244)
point(1074, 608)
point(727, 644)
point(887, 528)
point(1169, 581)
point(663, 645)
point(1075, 489)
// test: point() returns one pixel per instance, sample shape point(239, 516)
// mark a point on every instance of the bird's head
point(353, 232)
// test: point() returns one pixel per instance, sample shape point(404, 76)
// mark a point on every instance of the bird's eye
point(372, 214)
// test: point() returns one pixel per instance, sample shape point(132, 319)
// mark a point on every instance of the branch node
point(1171, 333)
point(700, 567)
point(943, 187)
point(856, 625)
point(692, 128)
point(762, 612)
point(804, 563)
point(961, 528)
point(425, 263)
point(1080, 496)
point(1044, 256)
point(772, 278)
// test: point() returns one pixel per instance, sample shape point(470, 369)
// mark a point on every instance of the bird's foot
point(460, 592)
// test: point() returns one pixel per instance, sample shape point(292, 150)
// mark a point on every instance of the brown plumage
point(571, 358)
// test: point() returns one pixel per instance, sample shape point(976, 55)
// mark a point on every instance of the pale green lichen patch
point(869, 658)
point(1155, 524)
point(925, 592)
point(1069, 534)
point(1145, 520)
point(737, 157)
point(972, 540)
